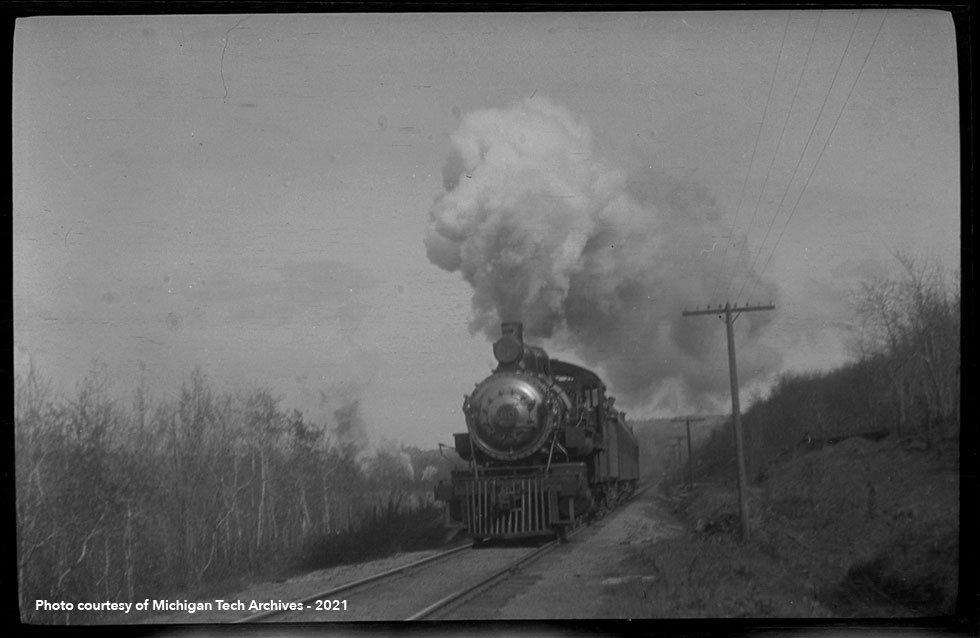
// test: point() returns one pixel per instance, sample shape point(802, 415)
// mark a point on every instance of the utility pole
point(690, 456)
point(680, 456)
point(743, 508)
point(677, 449)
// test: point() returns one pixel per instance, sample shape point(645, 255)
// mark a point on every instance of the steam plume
point(550, 234)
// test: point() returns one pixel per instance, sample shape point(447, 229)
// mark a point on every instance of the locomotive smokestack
point(515, 328)
point(509, 348)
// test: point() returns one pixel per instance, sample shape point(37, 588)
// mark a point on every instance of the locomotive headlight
point(507, 350)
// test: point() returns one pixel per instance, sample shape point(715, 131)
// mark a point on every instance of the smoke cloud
point(590, 259)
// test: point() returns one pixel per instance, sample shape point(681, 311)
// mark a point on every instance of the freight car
point(544, 445)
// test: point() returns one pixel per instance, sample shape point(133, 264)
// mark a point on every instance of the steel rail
point(354, 584)
point(488, 581)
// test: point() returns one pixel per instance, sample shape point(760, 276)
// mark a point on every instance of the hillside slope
point(857, 529)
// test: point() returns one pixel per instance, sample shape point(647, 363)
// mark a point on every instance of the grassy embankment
point(858, 529)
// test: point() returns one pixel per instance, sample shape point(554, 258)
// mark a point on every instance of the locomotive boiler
point(544, 445)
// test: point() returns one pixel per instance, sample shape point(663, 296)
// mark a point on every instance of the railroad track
point(408, 592)
point(459, 598)
point(333, 592)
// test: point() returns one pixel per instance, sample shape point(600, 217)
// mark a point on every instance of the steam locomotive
point(544, 445)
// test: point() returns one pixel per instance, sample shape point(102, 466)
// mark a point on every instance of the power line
point(755, 146)
point(796, 168)
point(824, 148)
point(782, 132)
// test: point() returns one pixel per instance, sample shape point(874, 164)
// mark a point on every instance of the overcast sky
point(309, 203)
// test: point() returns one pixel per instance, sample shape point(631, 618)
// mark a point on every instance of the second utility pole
point(690, 454)
point(743, 508)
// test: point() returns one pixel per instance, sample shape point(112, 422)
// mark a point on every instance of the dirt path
point(571, 581)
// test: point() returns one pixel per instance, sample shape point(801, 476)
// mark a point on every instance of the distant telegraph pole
point(743, 508)
point(677, 449)
point(690, 456)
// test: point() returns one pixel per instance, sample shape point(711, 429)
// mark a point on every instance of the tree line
point(150, 497)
